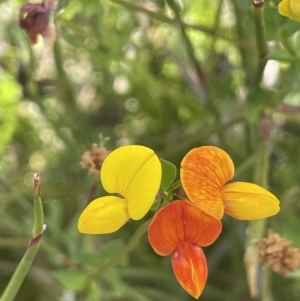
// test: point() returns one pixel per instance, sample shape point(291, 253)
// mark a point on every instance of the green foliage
point(10, 93)
point(168, 174)
point(171, 75)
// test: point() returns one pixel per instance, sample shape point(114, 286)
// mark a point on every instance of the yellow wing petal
point(247, 201)
point(103, 215)
point(295, 9)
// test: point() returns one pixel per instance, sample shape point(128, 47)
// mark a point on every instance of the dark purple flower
point(34, 18)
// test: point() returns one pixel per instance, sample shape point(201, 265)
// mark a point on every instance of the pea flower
point(180, 229)
point(204, 173)
point(290, 9)
point(133, 172)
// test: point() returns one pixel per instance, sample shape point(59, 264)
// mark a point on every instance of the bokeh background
point(168, 74)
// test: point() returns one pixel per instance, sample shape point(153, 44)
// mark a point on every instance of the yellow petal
point(290, 9)
point(204, 171)
point(103, 215)
point(295, 9)
point(134, 171)
point(247, 201)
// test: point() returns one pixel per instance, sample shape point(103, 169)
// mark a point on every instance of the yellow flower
point(204, 173)
point(290, 8)
point(134, 173)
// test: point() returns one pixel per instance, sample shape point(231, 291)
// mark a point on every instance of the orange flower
point(181, 229)
point(204, 173)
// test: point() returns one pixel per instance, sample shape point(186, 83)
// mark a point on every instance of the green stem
point(190, 51)
point(175, 186)
point(182, 146)
point(245, 51)
point(266, 290)
point(256, 229)
point(261, 41)
point(132, 243)
point(32, 249)
point(163, 18)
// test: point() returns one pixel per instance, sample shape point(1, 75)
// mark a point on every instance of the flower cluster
point(182, 227)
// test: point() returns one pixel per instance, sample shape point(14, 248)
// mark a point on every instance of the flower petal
point(248, 201)
point(134, 171)
point(295, 9)
point(290, 9)
point(103, 215)
point(204, 171)
point(182, 221)
point(190, 268)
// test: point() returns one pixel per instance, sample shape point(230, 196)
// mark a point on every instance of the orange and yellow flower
point(134, 173)
point(180, 229)
point(290, 9)
point(204, 173)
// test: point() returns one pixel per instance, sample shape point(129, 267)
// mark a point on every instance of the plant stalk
point(25, 264)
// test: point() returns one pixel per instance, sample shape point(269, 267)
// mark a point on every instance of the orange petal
point(182, 221)
point(204, 171)
point(190, 268)
point(248, 201)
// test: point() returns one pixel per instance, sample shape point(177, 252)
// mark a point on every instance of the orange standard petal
point(182, 221)
point(248, 201)
point(204, 171)
point(190, 268)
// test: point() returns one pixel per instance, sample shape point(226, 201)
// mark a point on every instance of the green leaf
point(169, 172)
point(71, 280)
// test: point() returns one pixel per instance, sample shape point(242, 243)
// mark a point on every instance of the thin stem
point(163, 18)
point(188, 142)
point(32, 249)
point(132, 243)
point(175, 186)
point(266, 290)
point(38, 227)
point(256, 229)
point(190, 52)
point(260, 34)
point(243, 36)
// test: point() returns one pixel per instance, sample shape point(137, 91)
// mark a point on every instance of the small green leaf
point(169, 172)
point(71, 280)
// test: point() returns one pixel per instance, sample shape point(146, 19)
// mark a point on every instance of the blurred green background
point(171, 75)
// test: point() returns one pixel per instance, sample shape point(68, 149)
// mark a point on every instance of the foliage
point(171, 75)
